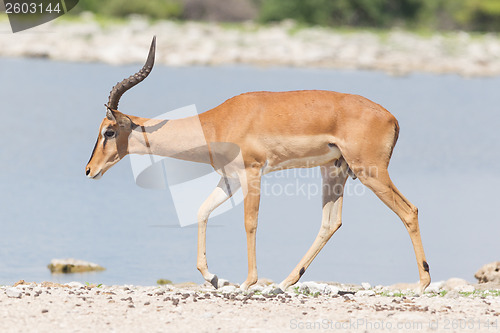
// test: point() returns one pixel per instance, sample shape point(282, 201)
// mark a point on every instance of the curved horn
point(121, 87)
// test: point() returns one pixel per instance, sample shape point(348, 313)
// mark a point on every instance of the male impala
point(343, 134)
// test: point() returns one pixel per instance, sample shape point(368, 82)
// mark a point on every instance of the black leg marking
point(351, 173)
point(302, 271)
point(277, 291)
point(426, 266)
point(215, 281)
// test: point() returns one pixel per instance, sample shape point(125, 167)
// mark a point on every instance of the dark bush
point(217, 10)
point(376, 13)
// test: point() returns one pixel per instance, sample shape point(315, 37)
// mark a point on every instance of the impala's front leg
point(224, 190)
point(251, 203)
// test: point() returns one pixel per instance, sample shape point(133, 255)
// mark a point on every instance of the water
point(445, 162)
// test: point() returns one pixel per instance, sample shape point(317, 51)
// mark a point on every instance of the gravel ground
point(193, 43)
point(50, 307)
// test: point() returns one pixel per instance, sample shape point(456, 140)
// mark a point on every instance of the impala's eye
point(109, 133)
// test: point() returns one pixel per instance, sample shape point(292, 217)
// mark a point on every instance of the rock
point(269, 289)
point(227, 289)
point(398, 52)
point(488, 286)
point(452, 294)
point(455, 284)
point(467, 289)
point(365, 285)
point(13, 293)
point(221, 283)
point(489, 273)
point(435, 287)
point(257, 288)
point(76, 284)
point(71, 265)
point(348, 296)
point(21, 282)
point(51, 284)
point(312, 287)
point(331, 290)
point(362, 293)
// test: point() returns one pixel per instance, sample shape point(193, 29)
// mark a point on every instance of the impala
point(343, 134)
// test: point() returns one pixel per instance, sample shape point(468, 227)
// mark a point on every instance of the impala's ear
point(109, 113)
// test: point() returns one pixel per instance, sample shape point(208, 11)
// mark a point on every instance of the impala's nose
point(87, 172)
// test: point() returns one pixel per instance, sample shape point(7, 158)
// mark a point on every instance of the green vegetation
point(395, 294)
point(441, 293)
point(371, 13)
point(155, 9)
point(481, 293)
point(306, 292)
point(71, 268)
point(476, 15)
point(470, 15)
point(162, 282)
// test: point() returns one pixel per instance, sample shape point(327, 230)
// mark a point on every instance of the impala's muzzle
point(88, 173)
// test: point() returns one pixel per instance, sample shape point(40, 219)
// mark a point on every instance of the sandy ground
point(49, 307)
point(194, 43)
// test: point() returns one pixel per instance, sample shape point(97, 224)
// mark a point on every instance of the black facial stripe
point(93, 150)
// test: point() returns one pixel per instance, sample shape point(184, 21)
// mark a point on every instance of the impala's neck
point(180, 138)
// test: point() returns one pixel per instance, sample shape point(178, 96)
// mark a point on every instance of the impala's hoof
point(215, 282)
point(277, 291)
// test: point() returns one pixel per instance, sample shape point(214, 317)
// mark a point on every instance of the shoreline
point(397, 52)
point(52, 307)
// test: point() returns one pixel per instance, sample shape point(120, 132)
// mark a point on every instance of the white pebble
point(435, 287)
point(227, 289)
point(75, 284)
point(362, 293)
point(13, 292)
point(331, 290)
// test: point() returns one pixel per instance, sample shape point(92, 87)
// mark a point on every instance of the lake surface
point(445, 162)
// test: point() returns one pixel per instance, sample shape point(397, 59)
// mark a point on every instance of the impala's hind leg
point(251, 203)
point(380, 183)
point(224, 190)
point(334, 179)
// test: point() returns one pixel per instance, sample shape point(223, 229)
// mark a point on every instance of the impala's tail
point(396, 135)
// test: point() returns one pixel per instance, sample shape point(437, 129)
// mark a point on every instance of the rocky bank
point(398, 52)
point(50, 307)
